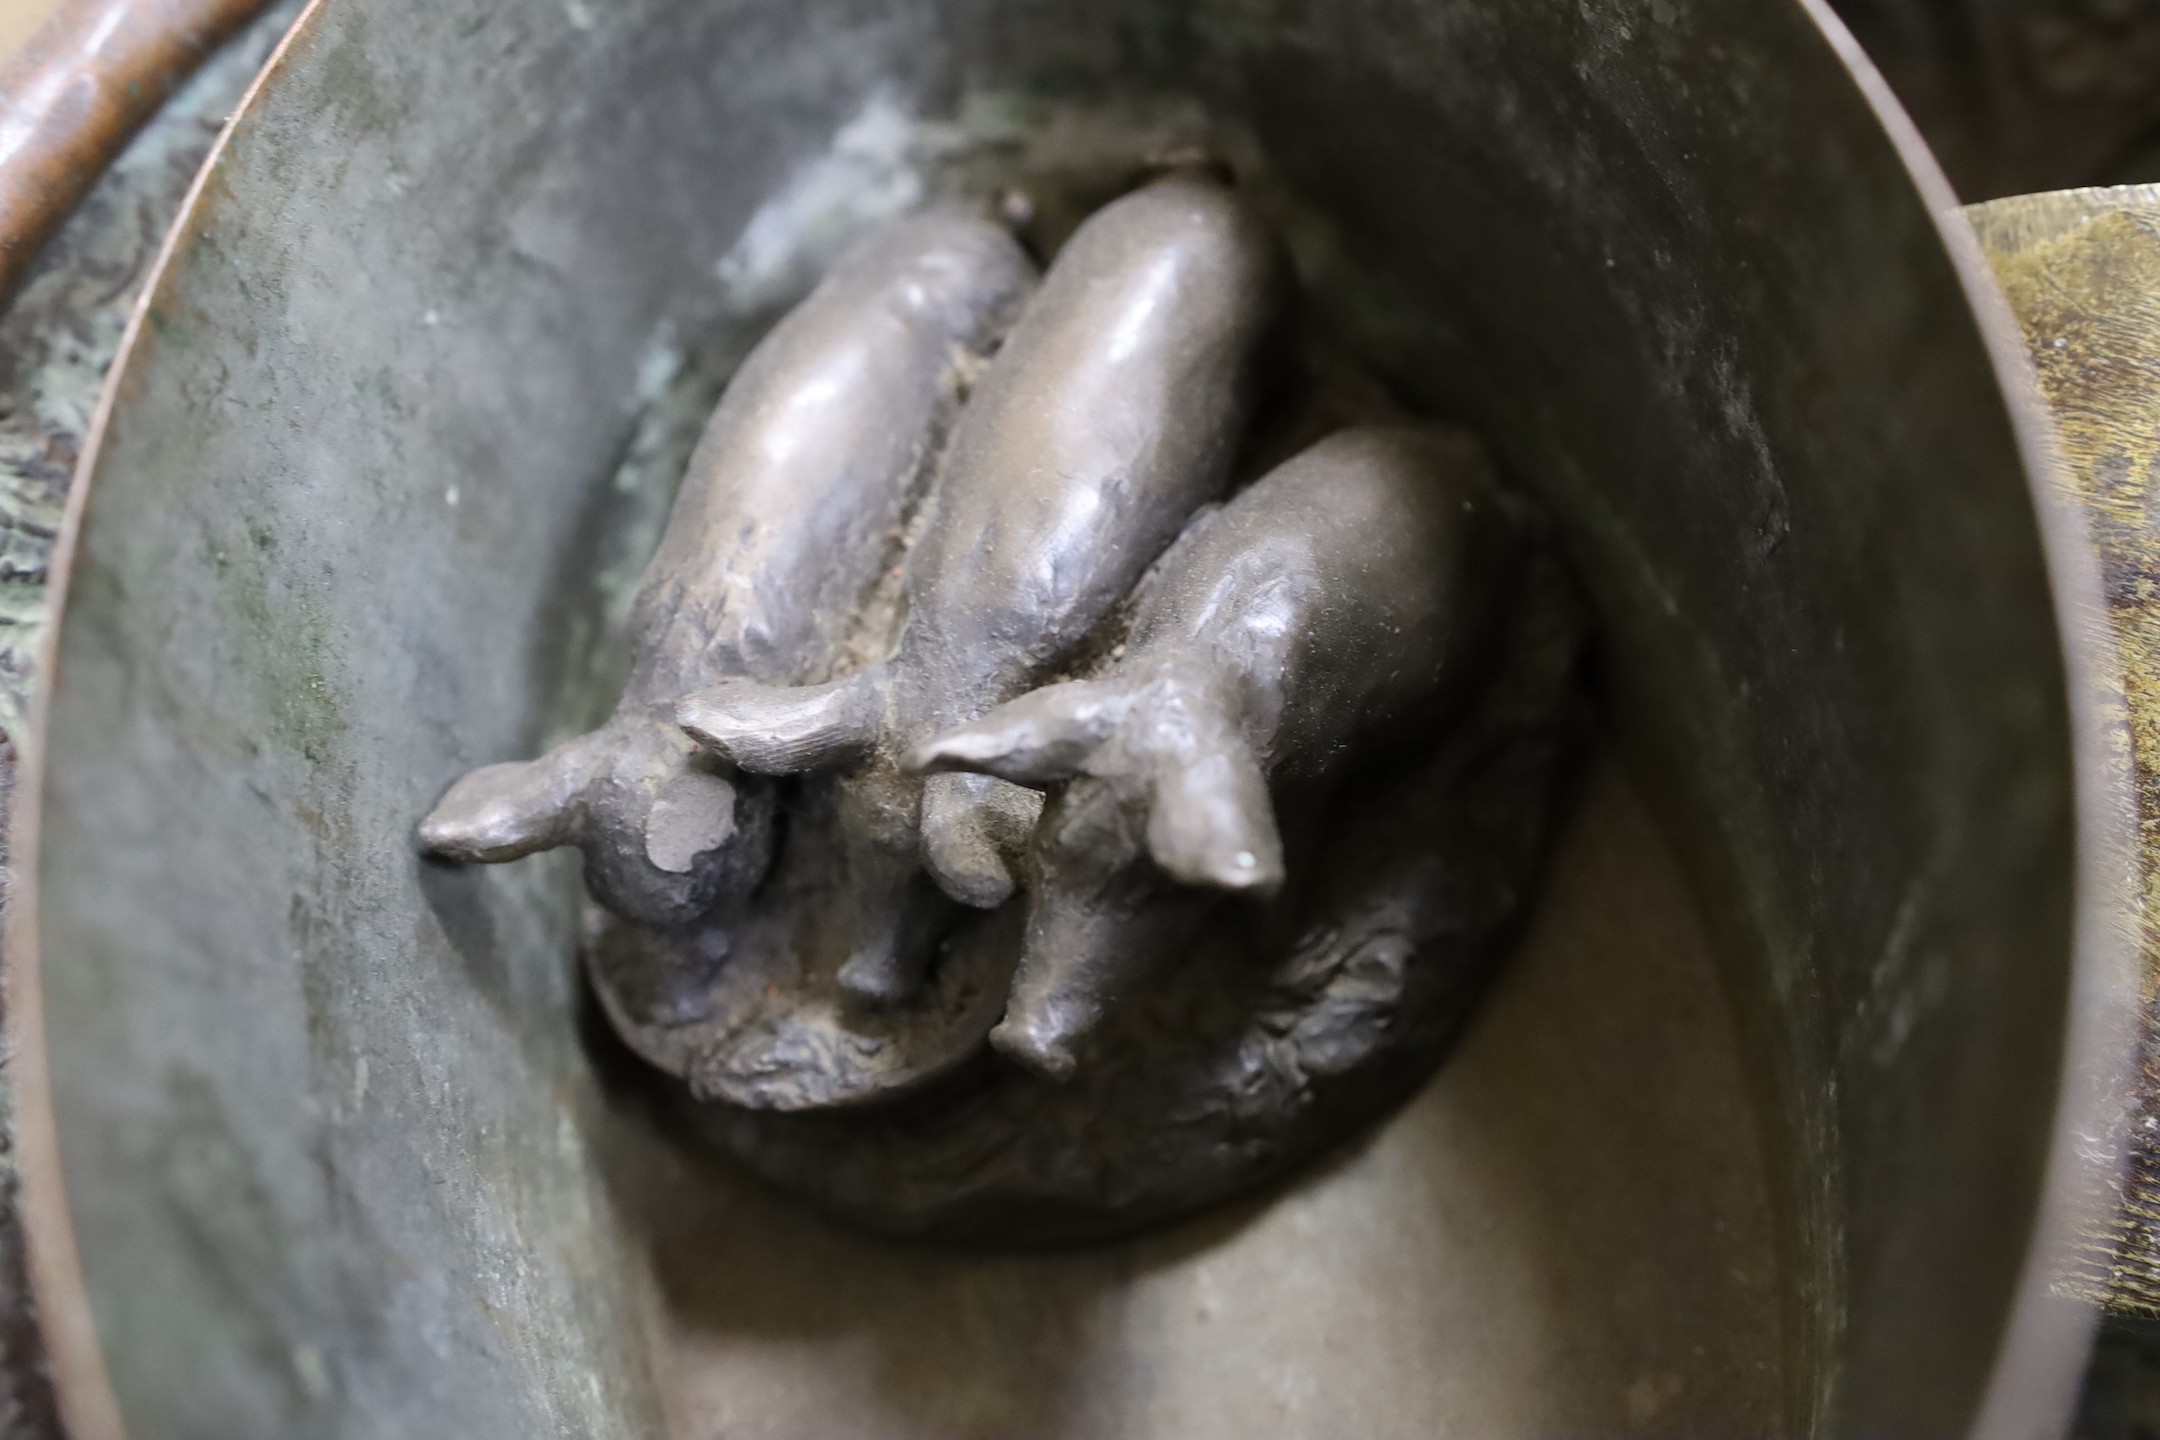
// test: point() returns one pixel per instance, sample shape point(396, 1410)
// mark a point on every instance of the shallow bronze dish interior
point(333, 1149)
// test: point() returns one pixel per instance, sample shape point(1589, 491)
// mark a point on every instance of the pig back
point(1352, 587)
point(791, 503)
point(1113, 411)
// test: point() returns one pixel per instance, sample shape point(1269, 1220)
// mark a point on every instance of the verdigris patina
point(1300, 735)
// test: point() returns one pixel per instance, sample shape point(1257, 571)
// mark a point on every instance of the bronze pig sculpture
point(1111, 414)
point(961, 599)
point(1319, 616)
point(785, 519)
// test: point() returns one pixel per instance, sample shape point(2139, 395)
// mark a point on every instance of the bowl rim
point(2047, 1333)
point(82, 1384)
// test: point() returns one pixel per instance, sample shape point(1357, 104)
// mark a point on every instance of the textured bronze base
point(1280, 1033)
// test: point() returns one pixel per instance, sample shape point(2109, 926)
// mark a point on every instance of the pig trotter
point(887, 966)
point(974, 830)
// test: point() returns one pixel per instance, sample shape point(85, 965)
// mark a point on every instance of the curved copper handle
point(74, 95)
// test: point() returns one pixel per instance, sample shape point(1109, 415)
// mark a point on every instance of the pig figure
point(1330, 611)
point(1112, 413)
point(789, 512)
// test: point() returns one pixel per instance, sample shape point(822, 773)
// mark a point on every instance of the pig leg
point(1099, 921)
point(888, 919)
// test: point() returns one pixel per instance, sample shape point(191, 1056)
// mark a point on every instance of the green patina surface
point(55, 344)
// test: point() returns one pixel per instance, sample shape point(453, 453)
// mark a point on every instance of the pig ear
point(783, 730)
point(504, 812)
point(1212, 822)
point(1043, 737)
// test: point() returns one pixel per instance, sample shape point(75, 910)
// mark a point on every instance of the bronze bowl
point(313, 1144)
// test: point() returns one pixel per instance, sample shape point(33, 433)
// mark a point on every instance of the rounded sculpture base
point(1278, 1032)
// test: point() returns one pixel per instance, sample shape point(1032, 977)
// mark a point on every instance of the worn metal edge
point(2041, 1358)
point(90, 77)
point(89, 1408)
